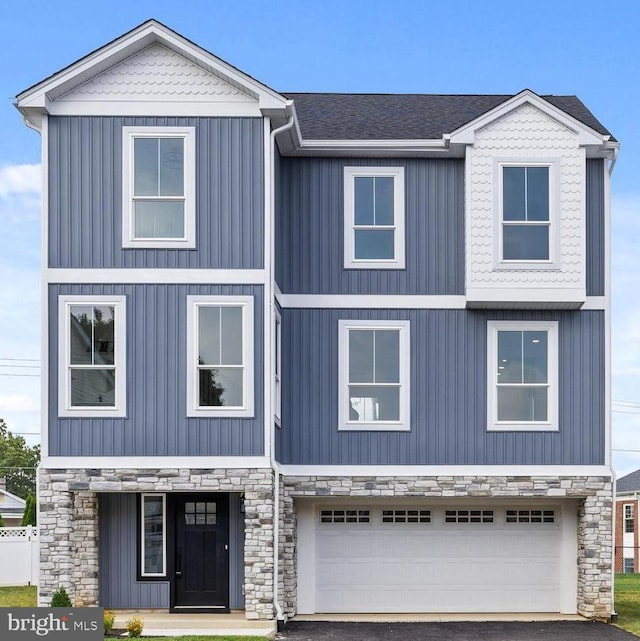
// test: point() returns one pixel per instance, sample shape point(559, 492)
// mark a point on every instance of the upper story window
point(158, 185)
point(628, 518)
point(522, 375)
point(92, 357)
point(373, 375)
point(220, 356)
point(526, 213)
point(374, 217)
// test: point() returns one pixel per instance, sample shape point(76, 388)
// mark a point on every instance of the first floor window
point(374, 217)
point(158, 186)
point(628, 566)
point(153, 533)
point(92, 356)
point(220, 353)
point(374, 375)
point(522, 374)
point(628, 518)
point(526, 212)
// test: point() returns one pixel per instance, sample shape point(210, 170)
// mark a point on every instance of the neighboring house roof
point(10, 504)
point(339, 116)
point(629, 483)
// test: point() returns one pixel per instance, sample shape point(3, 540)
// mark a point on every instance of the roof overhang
point(40, 98)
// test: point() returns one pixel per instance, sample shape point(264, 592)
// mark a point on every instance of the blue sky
point(585, 48)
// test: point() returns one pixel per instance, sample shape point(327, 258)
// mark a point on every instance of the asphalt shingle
point(629, 483)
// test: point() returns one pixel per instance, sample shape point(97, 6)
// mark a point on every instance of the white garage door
point(386, 559)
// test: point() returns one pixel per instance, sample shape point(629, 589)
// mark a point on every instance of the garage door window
point(468, 516)
point(530, 516)
point(345, 516)
point(406, 516)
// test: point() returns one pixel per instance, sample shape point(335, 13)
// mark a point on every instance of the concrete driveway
point(454, 631)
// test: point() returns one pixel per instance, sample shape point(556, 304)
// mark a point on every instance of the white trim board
point(156, 276)
point(551, 471)
point(154, 462)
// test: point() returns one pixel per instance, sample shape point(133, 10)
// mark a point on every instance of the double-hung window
point(373, 375)
point(523, 375)
point(158, 185)
point(527, 202)
point(374, 217)
point(92, 367)
point(628, 518)
point(220, 356)
point(153, 535)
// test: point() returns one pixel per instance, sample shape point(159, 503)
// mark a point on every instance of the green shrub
point(1, 521)
point(109, 618)
point(135, 626)
point(61, 599)
point(29, 516)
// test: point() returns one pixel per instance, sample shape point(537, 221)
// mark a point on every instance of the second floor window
point(220, 353)
point(374, 217)
point(92, 356)
point(158, 187)
point(628, 518)
point(374, 375)
point(526, 213)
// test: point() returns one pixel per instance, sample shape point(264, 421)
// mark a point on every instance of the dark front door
point(202, 552)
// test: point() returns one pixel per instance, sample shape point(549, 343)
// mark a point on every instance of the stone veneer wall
point(68, 525)
point(594, 495)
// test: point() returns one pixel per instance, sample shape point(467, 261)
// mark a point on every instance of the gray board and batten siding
point(310, 224)
point(85, 194)
point(448, 393)
point(118, 545)
point(156, 422)
point(310, 228)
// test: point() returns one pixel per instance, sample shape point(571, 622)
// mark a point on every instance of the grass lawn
point(628, 602)
point(19, 597)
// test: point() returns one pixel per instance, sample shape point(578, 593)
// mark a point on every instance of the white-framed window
point(220, 356)
point(522, 375)
point(92, 356)
point(628, 518)
point(527, 201)
point(628, 565)
point(538, 516)
point(468, 516)
point(158, 187)
point(374, 218)
point(153, 535)
point(373, 375)
point(277, 369)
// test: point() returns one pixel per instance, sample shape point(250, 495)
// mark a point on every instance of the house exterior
point(11, 506)
point(626, 520)
point(320, 353)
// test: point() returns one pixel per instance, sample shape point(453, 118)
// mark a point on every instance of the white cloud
point(20, 179)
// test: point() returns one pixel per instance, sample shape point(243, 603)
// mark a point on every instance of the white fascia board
point(446, 470)
point(527, 295)
point(154, 108)
point(154, 462)
point(365, 301)
point(373, 145)
point(586, 135)
point(132, 42)
point(162, 276)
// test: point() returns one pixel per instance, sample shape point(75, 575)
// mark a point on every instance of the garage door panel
point(437, 566)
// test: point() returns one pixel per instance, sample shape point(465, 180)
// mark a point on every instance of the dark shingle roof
point(339, 116)
point(629, 483)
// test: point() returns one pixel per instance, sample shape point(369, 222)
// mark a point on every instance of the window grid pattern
point(200, 513)
point(345, 516)
point(468, 516)
point(406, 516)
point(530, 516)
point(628, 519)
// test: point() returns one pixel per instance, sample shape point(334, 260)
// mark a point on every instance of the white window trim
point(553, 262)
point(248, 356)
point(551, 424)
point(277, 369)
point(65, 408)
point(344, 326)
point(350, 261)
point(164, 536)
point(188, 135)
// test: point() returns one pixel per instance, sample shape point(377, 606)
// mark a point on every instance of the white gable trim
point(586, 135)
point(40, 96)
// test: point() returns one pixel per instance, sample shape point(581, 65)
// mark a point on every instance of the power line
point(31, 360)
point(21, 366)
point(36, 375)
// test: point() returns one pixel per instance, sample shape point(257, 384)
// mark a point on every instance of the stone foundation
point(594, 495)
point(68, 525)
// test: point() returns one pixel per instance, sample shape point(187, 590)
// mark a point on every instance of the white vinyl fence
point(19, 556)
